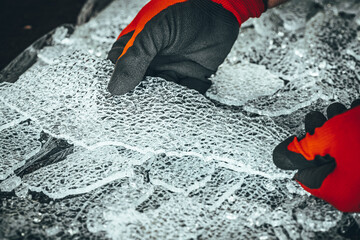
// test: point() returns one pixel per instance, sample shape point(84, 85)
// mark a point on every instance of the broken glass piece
point(248, 48)
point(311, 219)
point(117, 207)
point(235, 85)
point(286, 101)
point(10, 184)
point(178, 175)
point(294, 13)
point(269, 24)
point(178, 218)
point(155, 200)
point(222, 185)
point(83, 171)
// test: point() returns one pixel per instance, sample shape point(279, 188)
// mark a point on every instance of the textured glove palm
point(327, 157)
point(183, 41)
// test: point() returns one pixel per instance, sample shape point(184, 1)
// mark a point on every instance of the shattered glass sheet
point(164, 162)
point(98, 168)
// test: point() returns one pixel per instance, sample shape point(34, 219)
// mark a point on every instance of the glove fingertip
point(355, 103)
point(122, 81)
point(313, 120)
point(335, 109)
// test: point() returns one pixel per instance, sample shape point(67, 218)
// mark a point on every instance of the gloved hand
point(183, 41)
point(328, 157)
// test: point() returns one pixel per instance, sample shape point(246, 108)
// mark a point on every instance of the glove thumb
point(131, 66)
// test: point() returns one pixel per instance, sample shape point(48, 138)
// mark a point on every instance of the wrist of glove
point(327, 158)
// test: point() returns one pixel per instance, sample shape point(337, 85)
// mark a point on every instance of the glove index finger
point(130, 69)
point(313, 120)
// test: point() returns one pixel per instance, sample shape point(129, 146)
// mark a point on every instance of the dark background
point(24, 21)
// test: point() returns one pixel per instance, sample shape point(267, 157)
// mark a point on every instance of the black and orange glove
point(328, 157)
point(183, 41)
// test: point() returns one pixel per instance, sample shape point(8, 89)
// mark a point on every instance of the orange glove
point(328, 157)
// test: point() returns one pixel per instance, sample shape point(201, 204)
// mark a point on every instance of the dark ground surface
point(24, 21)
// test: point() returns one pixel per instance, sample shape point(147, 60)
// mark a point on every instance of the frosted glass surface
point(178, 175)
point(237, 84)
point(163, 161)
point(83, 171)
point(157, 117)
